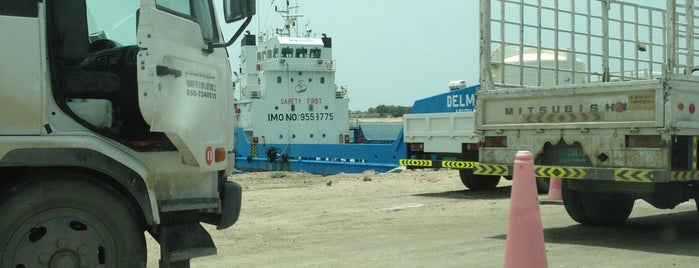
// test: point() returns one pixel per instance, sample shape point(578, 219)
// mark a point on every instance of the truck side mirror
point(235, 10)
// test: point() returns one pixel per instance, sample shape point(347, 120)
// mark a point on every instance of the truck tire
point(478, 182)
point(607, 208)
point(542, 185)
point(65, 220)
point(591, 208)
point(573, 204)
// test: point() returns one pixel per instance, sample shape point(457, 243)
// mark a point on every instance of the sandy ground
point(425, 218)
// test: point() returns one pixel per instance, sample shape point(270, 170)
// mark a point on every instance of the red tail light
point(417, 147)
point(644, 141)
point(495, 142)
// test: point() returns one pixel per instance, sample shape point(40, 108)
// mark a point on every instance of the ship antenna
point(289, 19)
point(308, 30)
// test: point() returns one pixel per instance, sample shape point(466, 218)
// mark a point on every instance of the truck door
point(183, 90)
point(21, 69)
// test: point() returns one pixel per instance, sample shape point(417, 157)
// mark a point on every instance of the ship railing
point(353, 123)
point(340, 91)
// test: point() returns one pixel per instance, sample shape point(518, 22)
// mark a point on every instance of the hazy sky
point(388, 52)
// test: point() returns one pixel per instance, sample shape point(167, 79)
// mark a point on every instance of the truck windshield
point(116, 19)
point(197, 10)
point(112, 19)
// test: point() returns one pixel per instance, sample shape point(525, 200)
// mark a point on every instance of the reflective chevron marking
point(634, 175)
point(459, 164)
point(619, 175)
point(415, 162)
point(559, 172)
point(563, 117)
point(488, 169)
point(684, 175)
point(437, 163)
point(694, 153)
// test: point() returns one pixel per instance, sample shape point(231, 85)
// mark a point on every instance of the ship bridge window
point(301, 52)
point(315, 53)
point(269, 54)
point(275, 53)
point(287, 52)
point(259, 56)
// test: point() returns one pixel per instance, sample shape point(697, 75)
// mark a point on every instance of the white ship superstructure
point(286, 91)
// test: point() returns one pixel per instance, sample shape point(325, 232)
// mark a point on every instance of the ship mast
point(289, 20)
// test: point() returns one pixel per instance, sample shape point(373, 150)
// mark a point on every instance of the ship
point(292, 116)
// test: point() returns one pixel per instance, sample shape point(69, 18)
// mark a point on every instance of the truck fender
point(123, 176)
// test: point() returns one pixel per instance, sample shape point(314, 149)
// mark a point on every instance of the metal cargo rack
point(614, 41)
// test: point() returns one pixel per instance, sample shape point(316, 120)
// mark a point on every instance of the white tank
point(525, 71)
point(457, 84)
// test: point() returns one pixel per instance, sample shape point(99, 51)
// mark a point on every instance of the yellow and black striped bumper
point(437, 163)
point(583, 173)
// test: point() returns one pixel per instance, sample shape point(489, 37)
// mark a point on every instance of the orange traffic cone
point(525, 234)
point(555, 189)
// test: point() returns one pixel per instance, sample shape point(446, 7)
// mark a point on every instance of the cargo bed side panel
point(440, 132)
point(599, 105)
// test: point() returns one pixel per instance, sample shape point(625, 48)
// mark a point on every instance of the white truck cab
point(115, 119)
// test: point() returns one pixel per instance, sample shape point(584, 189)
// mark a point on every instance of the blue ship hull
point(317, 158)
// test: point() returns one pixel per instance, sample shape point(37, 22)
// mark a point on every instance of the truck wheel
point(573, 204)
point(596, 208)
point(67, 221)
point(542, 185)
point(478, 182)
point(607, 208)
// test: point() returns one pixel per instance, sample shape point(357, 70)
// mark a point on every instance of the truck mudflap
point(231, 200)
point(591, 173)
point(182, 242)
point(231, 195)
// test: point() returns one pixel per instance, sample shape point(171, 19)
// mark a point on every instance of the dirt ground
point(425, 218)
